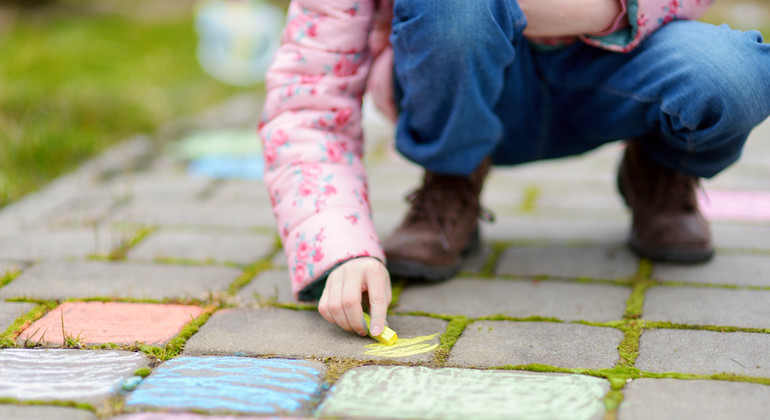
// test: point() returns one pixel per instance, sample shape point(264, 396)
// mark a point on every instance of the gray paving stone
point(7, 267)
point(66, 280)
point(568, 262)
point(423, 393)
point(86, 209)
point(24, 412)
point(11, 311)
point(288, 333)
point(741, 236)
point(231, 384)
point(279, 259)
point(696, 306)
point(204, 246)
point(609, 233)
point(673, 399)
point(476, 262)
point(61, 244)
point(241, 192)
point(204, 214)
point(154, 186)
point(65, 375)
point(557, 299)
point(269, 286)
point(498, 343)
point(741, 270)
point(704, 352)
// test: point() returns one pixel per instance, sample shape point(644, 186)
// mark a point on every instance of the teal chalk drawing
point(238, 384)
point(222, 154)
point(419, 392)
point(131, 383)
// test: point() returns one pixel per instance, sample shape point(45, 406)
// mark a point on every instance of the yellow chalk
point(388, 336)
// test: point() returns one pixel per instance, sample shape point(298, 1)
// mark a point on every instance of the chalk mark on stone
point(404, 347)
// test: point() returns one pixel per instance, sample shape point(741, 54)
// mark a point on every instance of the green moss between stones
point(143, 372)
point(176, 344)
point(490, 265)
point(67, 404)
point(8, 337)
point(8, 277)
point(248, 274)
point(533, 318)
point(529, 200)
point(628, 349)
point(119, 253)
point(448, 339)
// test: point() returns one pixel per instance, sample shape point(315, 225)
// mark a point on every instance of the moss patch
point(529, 200)
point(449, 338)
point(143, 372)
point(175, 346)
point(8, 337)
point(67, 404)
point(8, 277)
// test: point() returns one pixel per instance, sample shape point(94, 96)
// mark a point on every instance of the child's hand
point(341, 300)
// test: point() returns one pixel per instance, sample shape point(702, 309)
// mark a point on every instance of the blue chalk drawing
point(231, 384)
point(228, 167)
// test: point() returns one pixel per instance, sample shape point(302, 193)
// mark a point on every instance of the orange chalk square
point(111, 322)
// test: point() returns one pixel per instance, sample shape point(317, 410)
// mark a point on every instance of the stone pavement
point(130, 289)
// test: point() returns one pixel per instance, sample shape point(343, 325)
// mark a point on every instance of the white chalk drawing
point(423, 393)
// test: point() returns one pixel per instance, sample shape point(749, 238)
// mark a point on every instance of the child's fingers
point(323, 306)
point(351, 301)
point(378, 287)
point(334, 285)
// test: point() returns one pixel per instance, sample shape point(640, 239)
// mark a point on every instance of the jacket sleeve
point(313, 142)
point(643, 18)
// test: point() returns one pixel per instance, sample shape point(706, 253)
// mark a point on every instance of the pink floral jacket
point(311, 126)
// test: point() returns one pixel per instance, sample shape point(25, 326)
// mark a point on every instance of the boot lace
point(442, 202)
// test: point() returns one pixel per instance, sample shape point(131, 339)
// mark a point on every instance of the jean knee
point(454, 27)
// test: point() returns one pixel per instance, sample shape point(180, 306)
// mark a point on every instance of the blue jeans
point(469, 85)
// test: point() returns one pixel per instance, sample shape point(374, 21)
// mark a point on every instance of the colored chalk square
point(423, 393)
point(111, 322)
point(231, 384)
point(65, 375)
point(191, 416)
point(735, 205)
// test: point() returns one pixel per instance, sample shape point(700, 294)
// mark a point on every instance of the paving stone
point(86, 209)
point(696, 306)
point(740, 270)
point(498, 343)
point(111, 322)
point(11, 311)
point(289, 333)
point(65, 375)
point(241, 192)
point(80, 280)
point(195, 214)
point(268, 286)
point(204, 246)
point(169, 185)
point(231, 384)
point(609, 232)
point(557, 299)
point(704, 352)
point(279, 259)
point(423, 393)
point(24, 412)
point(673, 399)
point(476, 262)
point(61, 244)
point(568, 263)
point(744, 236)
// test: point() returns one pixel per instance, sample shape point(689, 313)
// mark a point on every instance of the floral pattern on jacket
point(311, 125)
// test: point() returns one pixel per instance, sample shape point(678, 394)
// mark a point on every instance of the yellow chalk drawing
point(403, 347)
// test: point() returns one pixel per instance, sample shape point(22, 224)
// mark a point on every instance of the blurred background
point(77, 76)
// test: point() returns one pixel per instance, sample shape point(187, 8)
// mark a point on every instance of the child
point(474, 82)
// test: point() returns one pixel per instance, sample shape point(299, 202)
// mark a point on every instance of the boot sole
point(431, 273)
point(682, 256)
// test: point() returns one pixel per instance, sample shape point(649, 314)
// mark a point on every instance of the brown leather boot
point(440, 228)
point(667, 224)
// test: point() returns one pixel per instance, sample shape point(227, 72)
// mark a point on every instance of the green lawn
point(71, 86)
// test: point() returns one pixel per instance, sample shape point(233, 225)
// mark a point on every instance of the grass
point(75, 83)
